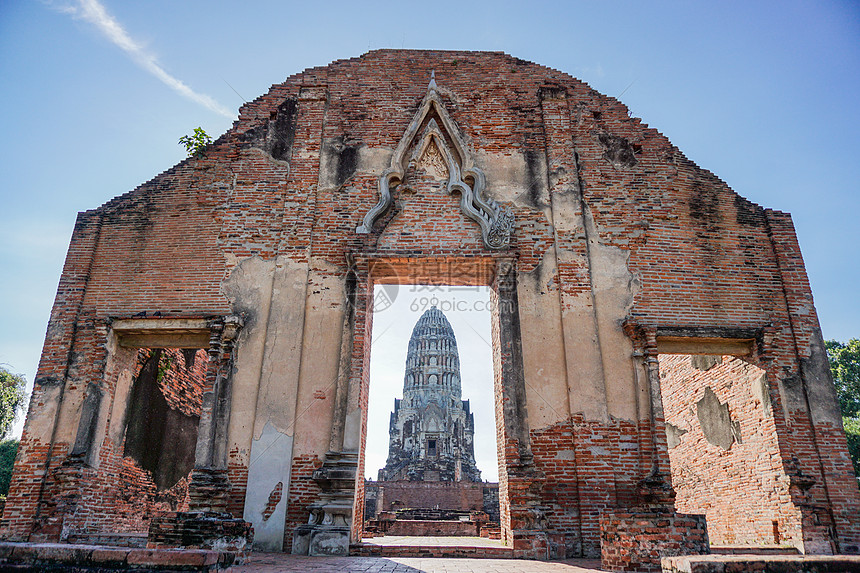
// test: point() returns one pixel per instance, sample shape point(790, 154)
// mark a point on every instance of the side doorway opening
point(723, 449)
point(147, 453)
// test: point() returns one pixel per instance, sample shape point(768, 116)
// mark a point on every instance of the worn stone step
point(447, 551)
point(78, 558)
point(753, 550)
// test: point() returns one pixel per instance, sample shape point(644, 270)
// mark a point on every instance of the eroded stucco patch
point(268, 479)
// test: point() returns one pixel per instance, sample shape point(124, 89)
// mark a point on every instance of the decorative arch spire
point(496, 221)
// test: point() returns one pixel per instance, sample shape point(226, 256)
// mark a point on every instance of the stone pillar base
point(330, 523)
point(201, 530)
point(320, 540)
point(632, 540)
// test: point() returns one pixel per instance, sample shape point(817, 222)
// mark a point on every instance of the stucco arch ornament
point(496, 221)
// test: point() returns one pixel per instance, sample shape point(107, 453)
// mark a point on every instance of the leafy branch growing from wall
point(196, 143)
point(165, 363)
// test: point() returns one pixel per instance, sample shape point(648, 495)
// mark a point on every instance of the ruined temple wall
point(818, 463)
point(700, 256)
point(704, 257)
point(38, 447)
point(612, 222)
point(288, 357)
point(724, 450)
point(508, 140)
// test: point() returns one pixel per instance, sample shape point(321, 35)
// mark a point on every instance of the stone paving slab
point(283, 563)
point(762, 564)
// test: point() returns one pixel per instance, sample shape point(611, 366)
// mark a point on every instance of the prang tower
point(431, 433)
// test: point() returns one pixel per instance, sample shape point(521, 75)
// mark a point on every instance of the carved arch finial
point(496, 221)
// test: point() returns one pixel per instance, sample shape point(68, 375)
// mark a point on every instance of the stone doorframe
point(336, 518)
point(207, 524)
point(209, 486)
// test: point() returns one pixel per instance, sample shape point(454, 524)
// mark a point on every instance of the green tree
point(196, 144)
point(8, 450)
point(852, 432)
point(12, 398)
point(845, 366)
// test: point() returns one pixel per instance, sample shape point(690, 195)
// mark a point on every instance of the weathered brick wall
point(612, 224)
point(816, 424)
point(637, 541)
point(395, 495)
point(490, 495)
point(588, 468)
point(739, 482)
point(181, 376)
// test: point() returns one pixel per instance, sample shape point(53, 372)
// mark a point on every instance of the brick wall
point(303, 492)
point(637, 541)
point(428, 528)
point(740, 484)
point(395, 495)
point(588, 468)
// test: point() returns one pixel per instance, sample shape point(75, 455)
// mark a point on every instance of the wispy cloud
point(93, 12)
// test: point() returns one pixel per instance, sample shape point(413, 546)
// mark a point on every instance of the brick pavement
point(285, 563)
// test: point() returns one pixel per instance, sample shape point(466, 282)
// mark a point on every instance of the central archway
point(499, 273)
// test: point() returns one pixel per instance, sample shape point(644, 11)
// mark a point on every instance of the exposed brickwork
point(80, 558)
point(122, 497)
point(436, 551)
point(428, 528)
point(589, 467)
point(181, 375)
point(200, 530)
point(360, 377)
point(765, 564)
point(636, 541)
point(743, 490)
point(141, 500)
point(237, 469)
point(303, 492)
point(125, 499)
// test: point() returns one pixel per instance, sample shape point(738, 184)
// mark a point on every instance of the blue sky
point(764, 94)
